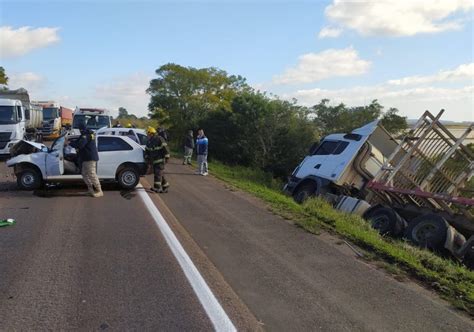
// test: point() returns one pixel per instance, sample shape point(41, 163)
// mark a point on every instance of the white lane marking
point(214, 310)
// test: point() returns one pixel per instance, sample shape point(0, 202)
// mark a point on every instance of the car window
point(112, 144)
point(143, 139)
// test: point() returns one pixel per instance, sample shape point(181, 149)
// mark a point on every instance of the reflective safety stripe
point(154, 149)
point(158, 161)
point(167, 155)
point(166, 185)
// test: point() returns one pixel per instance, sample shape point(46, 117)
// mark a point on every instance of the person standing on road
point(202, 149)
point(188, 148)
point(88, 157)
point(157, 154)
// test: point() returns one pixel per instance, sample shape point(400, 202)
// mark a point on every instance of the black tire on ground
point(387, 221)
point(128, 178)
point(468, 259)
point(29, 179)
point(428, 231)
point(307, 190)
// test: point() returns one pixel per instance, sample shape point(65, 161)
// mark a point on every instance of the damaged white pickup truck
point(120, 160)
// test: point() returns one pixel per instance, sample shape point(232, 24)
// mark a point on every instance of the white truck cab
point(12, 124)
point(92, 118)
point(120, 160)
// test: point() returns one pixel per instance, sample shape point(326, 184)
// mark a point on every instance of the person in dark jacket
point(188, 148)
point(157, 154)
point(88, 156)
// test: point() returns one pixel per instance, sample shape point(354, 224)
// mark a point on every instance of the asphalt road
point(75, 262)
point(291, 279)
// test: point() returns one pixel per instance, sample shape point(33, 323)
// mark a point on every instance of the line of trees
point(248, 127)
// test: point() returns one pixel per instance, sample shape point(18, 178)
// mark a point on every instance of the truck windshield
point(91, 121)
point(50, 113)
point(8, 115)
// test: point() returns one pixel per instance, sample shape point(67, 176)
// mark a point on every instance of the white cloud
point(397, 17)
point(461, 73)
point(27, 80)
point(412, 102)
point(127, 91)
point(328, 32)
point(17, 42)
point(314, 67)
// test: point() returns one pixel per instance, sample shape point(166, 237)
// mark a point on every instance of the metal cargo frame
point(428, 169)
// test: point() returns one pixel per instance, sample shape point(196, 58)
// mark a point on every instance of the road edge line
point(211, 305)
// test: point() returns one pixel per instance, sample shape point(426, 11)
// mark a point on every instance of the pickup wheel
point(427, 231)
point(128, 178)
point(29, 179)
point(386, 221)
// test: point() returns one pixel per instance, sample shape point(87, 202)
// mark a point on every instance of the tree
point(185, 95)
point(343, 119)
point(261, 132)
point(3, 76)
point(393, 122)
point(122, 113)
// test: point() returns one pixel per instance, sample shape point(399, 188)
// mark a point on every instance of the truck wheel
point(469, 259)
point(387, 222)
point(307, 190)
point(128, 178)
point(29, 179)
point(427, 231)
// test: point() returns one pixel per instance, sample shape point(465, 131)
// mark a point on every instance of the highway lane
point(293, 280)
point(75, 262)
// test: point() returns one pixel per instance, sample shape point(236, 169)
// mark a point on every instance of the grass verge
point(450, 280)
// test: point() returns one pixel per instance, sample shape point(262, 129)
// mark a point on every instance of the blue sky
point(409, 54)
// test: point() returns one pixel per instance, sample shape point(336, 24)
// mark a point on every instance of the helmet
point(150, 130)
point(129, 125)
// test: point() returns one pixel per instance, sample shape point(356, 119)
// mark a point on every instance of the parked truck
point(19, 119)
point(413, 187)
point(92, 118)
point(56, 119)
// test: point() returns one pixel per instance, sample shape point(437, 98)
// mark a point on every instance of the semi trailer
point(417, 187)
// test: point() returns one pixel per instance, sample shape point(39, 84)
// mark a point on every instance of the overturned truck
point(414, 187)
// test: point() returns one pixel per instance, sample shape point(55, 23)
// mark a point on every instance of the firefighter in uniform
point(157, 154)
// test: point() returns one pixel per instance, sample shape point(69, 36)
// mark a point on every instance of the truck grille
point(5, 136)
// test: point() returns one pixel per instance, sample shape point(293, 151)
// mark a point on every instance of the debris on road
point(7, 222)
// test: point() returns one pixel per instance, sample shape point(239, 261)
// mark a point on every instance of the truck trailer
point(414, 187)
point(56, 119)
point(19, 119)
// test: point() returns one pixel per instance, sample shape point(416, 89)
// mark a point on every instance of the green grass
point(449, 279)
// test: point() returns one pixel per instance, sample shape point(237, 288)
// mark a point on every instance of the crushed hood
point(26, 147)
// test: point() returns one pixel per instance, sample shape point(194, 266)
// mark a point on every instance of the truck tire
point(428, 231)
point(29, 179)
point(468, 259)
point(307, 190)
point(386, 221)
point(128, 177)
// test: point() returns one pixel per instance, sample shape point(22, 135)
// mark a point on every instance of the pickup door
point(55, 158)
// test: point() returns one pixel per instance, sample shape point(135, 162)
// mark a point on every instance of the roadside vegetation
point(448, 278)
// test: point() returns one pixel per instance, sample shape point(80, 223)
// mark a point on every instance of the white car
point(136, 134)
point(120, 160)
